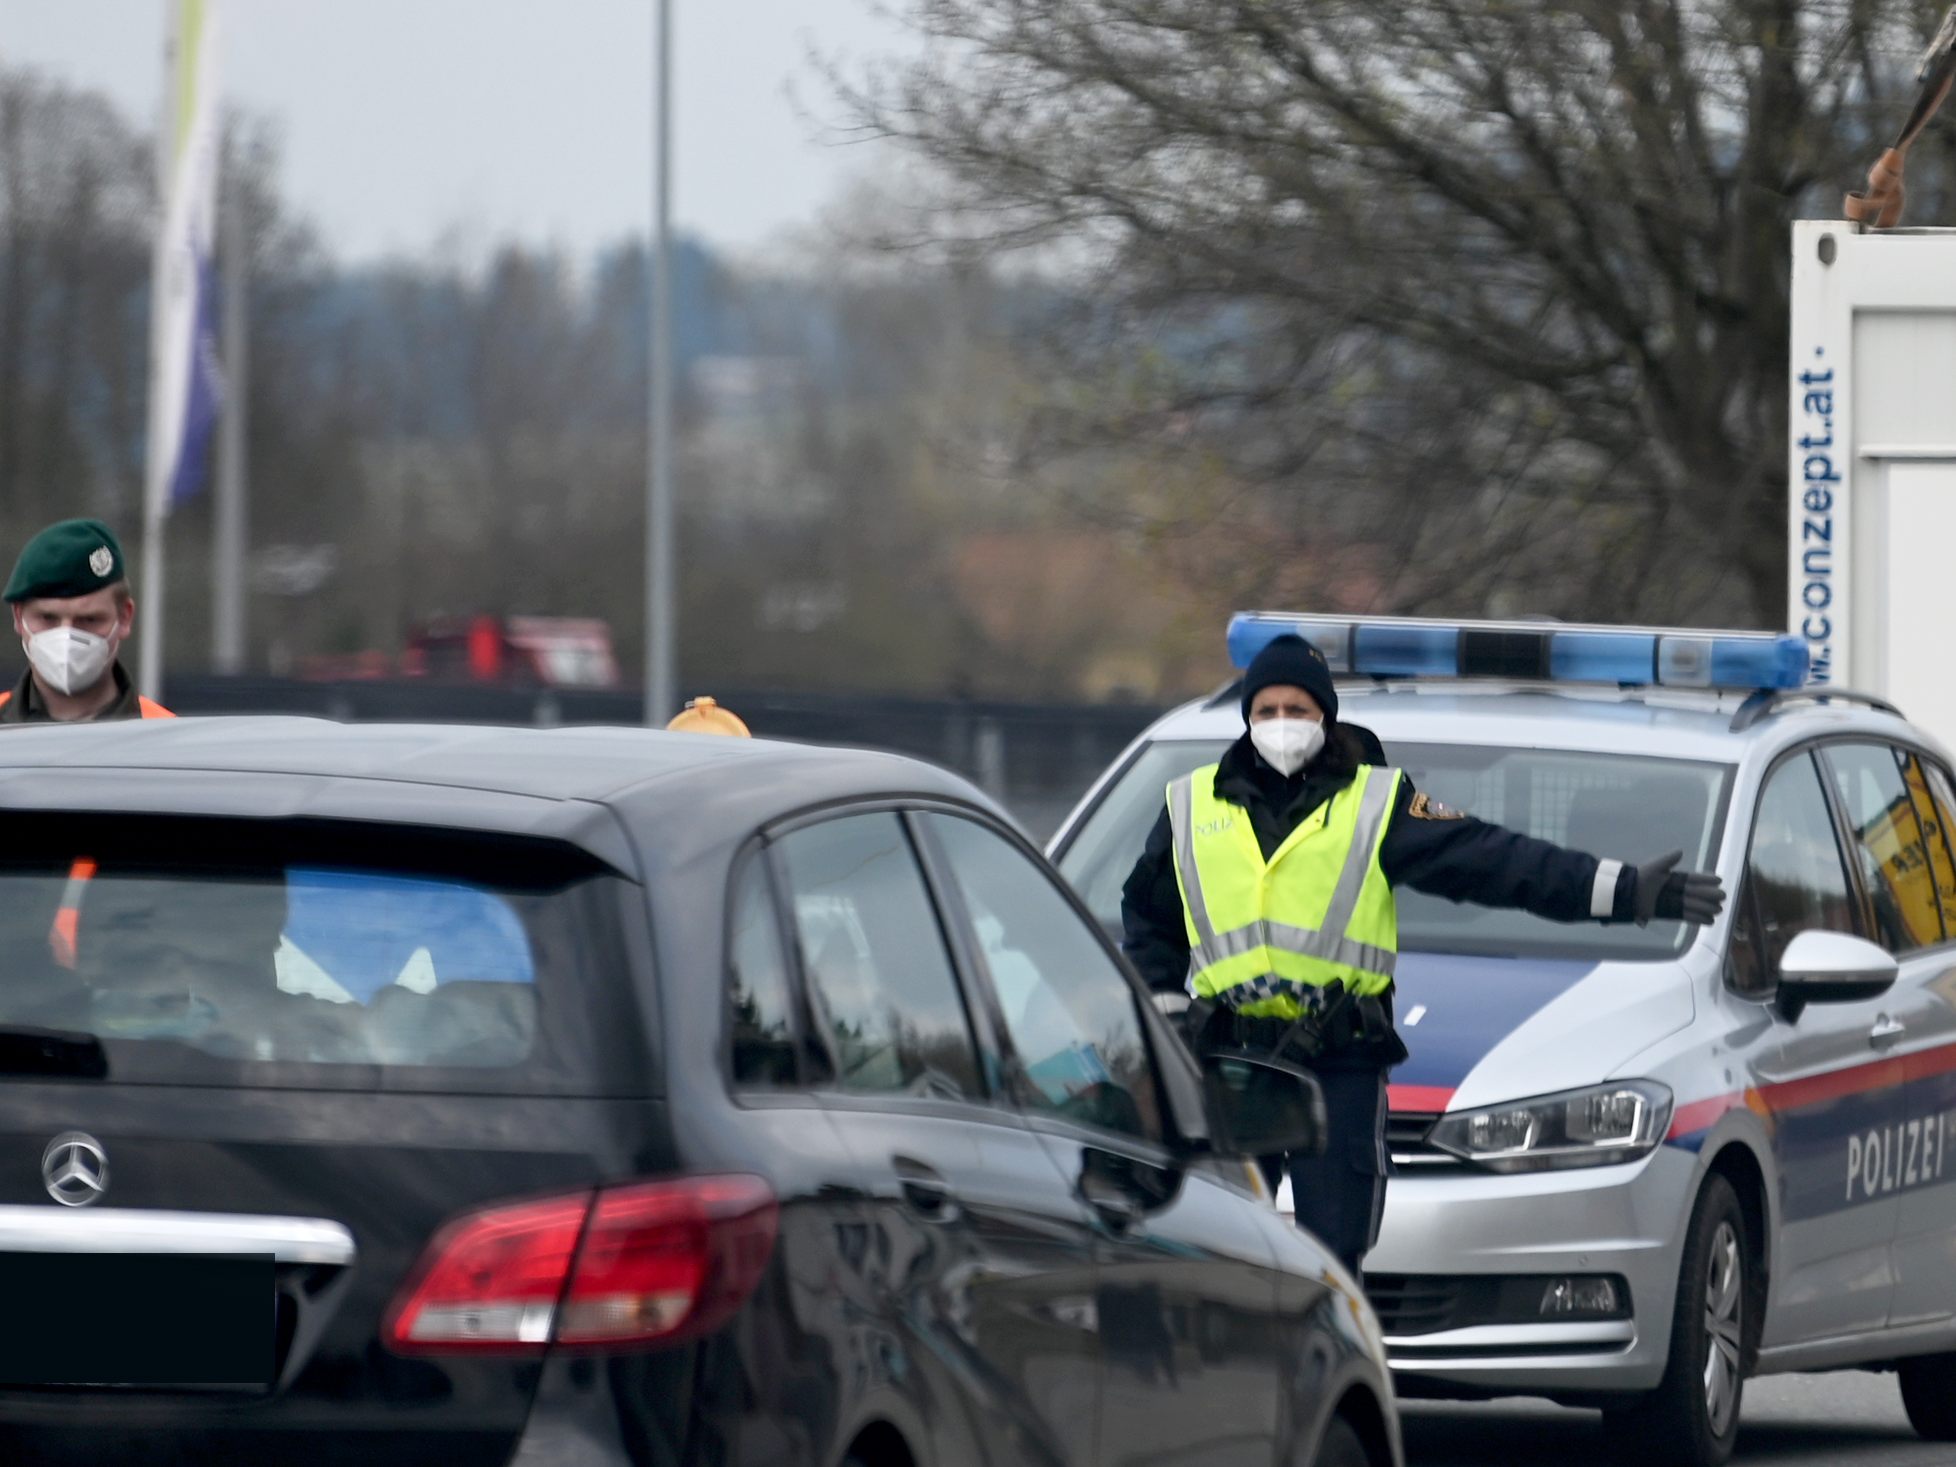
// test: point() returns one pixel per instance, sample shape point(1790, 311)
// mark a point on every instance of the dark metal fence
point(1034, 758)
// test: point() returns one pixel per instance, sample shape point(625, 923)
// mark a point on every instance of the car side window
point(1930, 786)
point(760, 995)
point(1071, 1013)
point(1746, 972)
point(879, 977)
point(1887, 845)
point(1794, 880)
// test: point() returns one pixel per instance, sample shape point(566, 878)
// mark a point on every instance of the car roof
point(1664, 723)
point(474, 776)
point(594, 763)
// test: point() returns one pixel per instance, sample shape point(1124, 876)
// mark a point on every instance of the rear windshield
point(1624, 806)
point(311, 952)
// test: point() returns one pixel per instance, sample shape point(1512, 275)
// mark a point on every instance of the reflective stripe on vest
point(1265, 937)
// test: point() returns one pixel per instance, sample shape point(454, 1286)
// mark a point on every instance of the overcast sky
point(402, 119)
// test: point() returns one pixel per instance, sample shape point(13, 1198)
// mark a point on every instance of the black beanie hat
point(1291, 660)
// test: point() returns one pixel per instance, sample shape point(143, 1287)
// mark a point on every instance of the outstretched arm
point(1446, 854)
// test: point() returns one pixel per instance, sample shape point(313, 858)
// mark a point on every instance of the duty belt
point(1334, 1019)
point(1305, 1036)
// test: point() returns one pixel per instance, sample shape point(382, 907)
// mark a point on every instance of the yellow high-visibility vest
point(1265, 937)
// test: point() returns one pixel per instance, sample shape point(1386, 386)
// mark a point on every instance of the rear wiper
point(28, 1051)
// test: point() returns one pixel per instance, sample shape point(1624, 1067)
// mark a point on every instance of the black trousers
point(1340, 1195)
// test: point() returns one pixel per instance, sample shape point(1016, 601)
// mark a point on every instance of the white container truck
point(1872, 547)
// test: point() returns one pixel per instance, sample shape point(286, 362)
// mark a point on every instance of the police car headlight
point(1595, 1127)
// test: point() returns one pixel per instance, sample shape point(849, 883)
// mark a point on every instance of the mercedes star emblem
point(75, 1168)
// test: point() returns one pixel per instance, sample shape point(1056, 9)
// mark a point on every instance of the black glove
point(1679, 896)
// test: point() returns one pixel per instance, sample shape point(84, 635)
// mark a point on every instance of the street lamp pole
point(661, 597)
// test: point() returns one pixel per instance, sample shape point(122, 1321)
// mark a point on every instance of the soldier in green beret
point(73, 611)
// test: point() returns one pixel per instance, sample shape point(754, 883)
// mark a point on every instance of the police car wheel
point(1929, 1395)
point(1692, 1418)
point(1341, 1447)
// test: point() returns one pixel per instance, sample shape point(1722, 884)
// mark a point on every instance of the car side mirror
point(1832, 967)
point(1259, 1106)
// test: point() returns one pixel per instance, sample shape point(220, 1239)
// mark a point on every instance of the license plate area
point(140, 1321)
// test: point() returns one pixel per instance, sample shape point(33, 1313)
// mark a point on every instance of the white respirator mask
point(1287, 744)
point(68, 660)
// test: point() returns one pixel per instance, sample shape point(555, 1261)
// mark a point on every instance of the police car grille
point(1406, 1133)
point(1416, 1304)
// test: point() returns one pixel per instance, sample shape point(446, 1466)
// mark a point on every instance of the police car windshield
point(1625, 806)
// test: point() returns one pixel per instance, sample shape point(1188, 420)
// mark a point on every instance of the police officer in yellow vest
point(1267, 889)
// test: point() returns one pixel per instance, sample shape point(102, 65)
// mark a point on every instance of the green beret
point(72, 558)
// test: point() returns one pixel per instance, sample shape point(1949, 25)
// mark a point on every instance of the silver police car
point(1634, 1166)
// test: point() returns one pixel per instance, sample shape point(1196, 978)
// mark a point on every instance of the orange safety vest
point(149, 709)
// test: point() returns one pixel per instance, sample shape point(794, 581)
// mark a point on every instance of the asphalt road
point(1843, 1420)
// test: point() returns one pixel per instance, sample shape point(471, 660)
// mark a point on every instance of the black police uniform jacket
point(1426, 847)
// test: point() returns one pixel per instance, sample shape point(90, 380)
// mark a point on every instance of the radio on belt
point(1405, 647)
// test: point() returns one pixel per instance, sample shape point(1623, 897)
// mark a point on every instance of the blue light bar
point(1600, 657)
point(1406, 651)
point(1770, 662)
point(1397, 647)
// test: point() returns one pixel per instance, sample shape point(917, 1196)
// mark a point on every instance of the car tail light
point(662, 1259)
point(647, 1262)
point(491, 1280)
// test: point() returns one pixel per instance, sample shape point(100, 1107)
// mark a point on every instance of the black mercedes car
point(583, 1097)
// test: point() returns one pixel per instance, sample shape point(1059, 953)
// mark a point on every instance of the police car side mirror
point(1832, 967)
point(1259, 1106)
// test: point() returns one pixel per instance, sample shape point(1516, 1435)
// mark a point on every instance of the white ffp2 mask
point(70, 660)
point(1287, 744)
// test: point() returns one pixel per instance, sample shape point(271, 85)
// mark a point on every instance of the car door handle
point(924, 1190)
point(1886, 1031)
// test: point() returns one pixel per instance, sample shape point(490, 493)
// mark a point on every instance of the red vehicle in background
point(511, 652)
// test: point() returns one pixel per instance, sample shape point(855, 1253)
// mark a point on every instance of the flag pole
point(184, 386)
point(232, 532)
point(660, 594)
point(149, 666)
